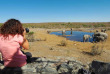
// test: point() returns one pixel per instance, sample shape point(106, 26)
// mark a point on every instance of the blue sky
point(38, 11)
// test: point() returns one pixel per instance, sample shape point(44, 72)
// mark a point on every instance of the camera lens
point(27, 30)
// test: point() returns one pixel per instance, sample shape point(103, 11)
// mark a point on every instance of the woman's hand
point(25, 43)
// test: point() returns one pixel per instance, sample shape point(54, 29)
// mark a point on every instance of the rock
point(83, 71)
point(46, 66)
point(50, 66)
point(11, 71)
point(98, 67)
point(64, 68)
point(75, 65)
point(49, 70)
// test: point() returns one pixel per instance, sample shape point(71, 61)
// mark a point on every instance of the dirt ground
point(48, 46)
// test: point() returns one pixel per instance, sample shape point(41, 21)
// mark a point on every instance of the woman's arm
point(25, 43)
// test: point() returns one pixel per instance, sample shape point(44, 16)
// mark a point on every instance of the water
point(75, 36)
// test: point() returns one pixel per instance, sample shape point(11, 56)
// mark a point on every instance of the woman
point(12, 37)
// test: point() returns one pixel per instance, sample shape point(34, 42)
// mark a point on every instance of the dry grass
point(97, 49)
point(50, 48)
point(30, 37)
point(67, 25)
point(63, 43)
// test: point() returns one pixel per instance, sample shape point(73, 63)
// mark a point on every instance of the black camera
point(27, 30)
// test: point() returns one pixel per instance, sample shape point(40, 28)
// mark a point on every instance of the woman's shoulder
point(18, 36)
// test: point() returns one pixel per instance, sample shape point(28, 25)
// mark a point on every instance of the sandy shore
point(48, 46)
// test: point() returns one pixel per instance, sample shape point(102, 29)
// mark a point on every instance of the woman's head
point(11, 27)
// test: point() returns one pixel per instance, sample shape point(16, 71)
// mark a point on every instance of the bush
point(0, 24)
point(97, 49)
point(108, 29)
point(31, 33)
point(63, 43)
point(30, 36)
point(65, 25)
point(84, 25)
point(99, 25)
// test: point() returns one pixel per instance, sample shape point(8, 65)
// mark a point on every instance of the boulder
point(98, 67)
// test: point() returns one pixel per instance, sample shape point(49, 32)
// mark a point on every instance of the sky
point(40, 11)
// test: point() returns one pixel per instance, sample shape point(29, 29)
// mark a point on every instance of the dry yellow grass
point(51, 49)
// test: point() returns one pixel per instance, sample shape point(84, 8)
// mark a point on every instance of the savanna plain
point(50, 46)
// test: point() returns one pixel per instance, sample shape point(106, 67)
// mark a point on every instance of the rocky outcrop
point(45, 66)
point(98, 67)
point(49, 66)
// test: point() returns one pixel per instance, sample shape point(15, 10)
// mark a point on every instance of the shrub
point(97, 49)
point(63, 24)
point(99, 25)
point(63, 43)
point(30, 36)
point(108, 29)
point(84, 25)
point(50, 48)
point(0, 24)
point(31, 33)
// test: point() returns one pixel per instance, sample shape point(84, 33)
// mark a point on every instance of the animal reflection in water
point(71, 31)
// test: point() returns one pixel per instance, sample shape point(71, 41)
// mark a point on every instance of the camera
point(27, 30)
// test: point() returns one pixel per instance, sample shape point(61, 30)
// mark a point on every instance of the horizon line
point(62, 22)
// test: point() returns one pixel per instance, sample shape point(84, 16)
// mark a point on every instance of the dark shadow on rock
point(65, 73)
point(9, 70)
point(84, 71)
point(1, 62)
point(98, 67)
point(33, 59)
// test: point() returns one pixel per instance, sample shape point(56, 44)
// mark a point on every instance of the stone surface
point(50, 66)
point(44, 66)
point(98, 67)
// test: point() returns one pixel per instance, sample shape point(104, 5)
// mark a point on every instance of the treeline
point(66, 25)
point(0, 24)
